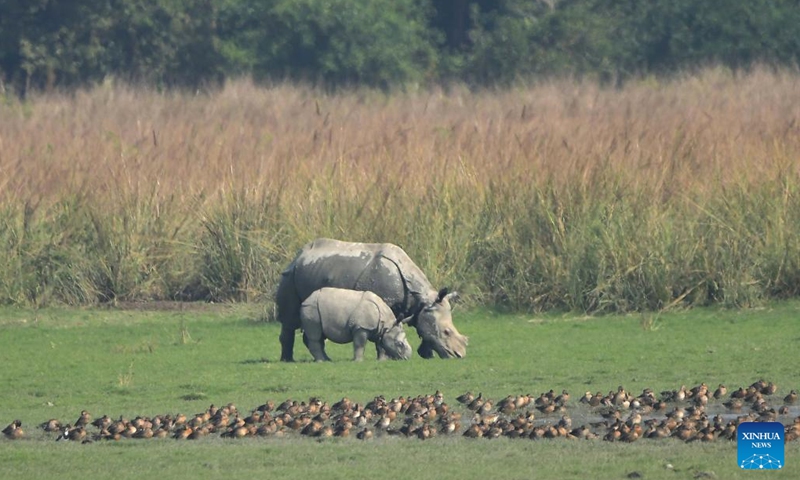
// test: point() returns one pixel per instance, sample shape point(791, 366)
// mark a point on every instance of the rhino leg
point(288, 303)
point(360, 339)
point(381, 352)
point(317, 347)
point(287, 343)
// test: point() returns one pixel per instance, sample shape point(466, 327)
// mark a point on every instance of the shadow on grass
point(194, 396)
point(252, 361)
point(255, 361)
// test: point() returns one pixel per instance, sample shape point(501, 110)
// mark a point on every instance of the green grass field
point(57, 362)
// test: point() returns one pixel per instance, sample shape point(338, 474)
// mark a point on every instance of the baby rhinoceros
point(344, 316)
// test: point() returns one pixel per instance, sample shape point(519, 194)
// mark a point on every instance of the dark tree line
point(384, 43)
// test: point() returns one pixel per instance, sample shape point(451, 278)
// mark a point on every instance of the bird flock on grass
point(685, 413)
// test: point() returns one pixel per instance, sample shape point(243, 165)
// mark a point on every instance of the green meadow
point(59, 361)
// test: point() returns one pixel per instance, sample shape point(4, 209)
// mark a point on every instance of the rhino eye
point(447, 332)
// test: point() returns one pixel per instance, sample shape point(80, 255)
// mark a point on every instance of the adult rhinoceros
point(381, 268)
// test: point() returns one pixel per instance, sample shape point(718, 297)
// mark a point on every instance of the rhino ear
point(442, 295)
point(452, 296)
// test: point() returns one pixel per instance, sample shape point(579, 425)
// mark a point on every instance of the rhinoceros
point(382, 268)
point(344, 316)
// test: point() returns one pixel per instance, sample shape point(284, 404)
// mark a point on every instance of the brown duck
point(14, 430)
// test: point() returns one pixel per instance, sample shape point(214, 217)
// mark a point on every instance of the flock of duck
point(686, 414)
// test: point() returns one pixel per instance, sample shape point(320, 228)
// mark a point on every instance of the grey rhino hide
point(345, 316)
point(434, 323)
point(382, 268)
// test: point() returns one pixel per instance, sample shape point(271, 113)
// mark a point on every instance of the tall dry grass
point(561, 195)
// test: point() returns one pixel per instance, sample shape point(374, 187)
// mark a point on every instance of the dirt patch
point(166, 306)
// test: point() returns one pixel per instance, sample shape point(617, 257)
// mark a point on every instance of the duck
point(268, 406)
point(680, 394)
point(474, 431)
point(739, 393)
point(84, 419)
point(646, 398)
point(343, 404)
point(720, 392)
point(52, 425)
point(383, 423)
point(734, 404)
point(613, 434)
point(684, 432)
point(632, 434)
point(145, 432)
point(547, 409)
point(701, 389)
point(425, 432)
point(183, 432)
point(659, 431)
point(620, 398)
point(365, 434)
point(507, 405)
point(449, 426)
point(104, 434)
point(791, 398)
point(562, 398)
point(476, 403)
point(102, 422)
point(14, 430)
point(544, 399)
point(129, 431)
point(77, 433)
point(537, 433)
point(700, 399)
point(759, 384)
point(198, 433)
point(769, 389)
point(285, 405)
point(582, 432)
point(312, 429)
point(493, 432)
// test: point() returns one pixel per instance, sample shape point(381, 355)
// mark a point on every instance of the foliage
point(561, 196)
point(199, 43)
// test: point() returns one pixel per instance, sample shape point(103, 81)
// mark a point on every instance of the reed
point(557, 195)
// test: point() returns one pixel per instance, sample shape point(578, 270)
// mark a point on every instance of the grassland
point(559, 195)
point(57, 362)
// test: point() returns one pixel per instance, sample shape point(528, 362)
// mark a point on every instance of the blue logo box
point(760, 445)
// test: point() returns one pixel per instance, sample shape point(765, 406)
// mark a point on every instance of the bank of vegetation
point(565, 194)
point(389, 44)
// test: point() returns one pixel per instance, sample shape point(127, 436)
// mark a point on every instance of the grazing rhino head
point(395, 344)
point(434, 323)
